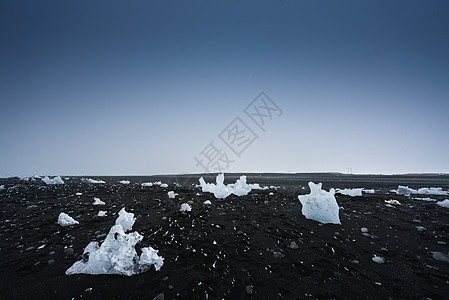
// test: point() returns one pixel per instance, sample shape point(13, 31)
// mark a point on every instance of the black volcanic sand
point(236, 248)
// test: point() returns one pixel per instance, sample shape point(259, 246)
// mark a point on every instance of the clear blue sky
point(142, 87)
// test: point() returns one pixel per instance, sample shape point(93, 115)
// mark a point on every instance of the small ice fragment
point(207, 202)
point(185, 207)
point(78, 194)
point(102, 213)
point(93, 181)
point(378, 259)
point(98, 201)
point(66, 220)
point(425, 199)
point(444, 203)
point(147, 184)
point(350, 192)
point(41, 247)
point(371, 191)
point(171, 194)
point(164, 185)
point(124, 181)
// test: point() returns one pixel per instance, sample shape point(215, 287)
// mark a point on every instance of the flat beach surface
point(235, 248)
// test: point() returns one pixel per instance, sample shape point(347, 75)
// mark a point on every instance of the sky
point(169, 87)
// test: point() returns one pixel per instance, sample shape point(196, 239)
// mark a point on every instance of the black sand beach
point(235, 248)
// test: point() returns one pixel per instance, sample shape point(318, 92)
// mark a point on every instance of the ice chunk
point(241, 188)
point(221, 191)
point(444, 203)
point(147, 184)
point(117, 254)
point(185, 207)
point(79, 194)
point(163, 185)
point(125, 220)
point(405, 190)
point(124, 181)
point(93, 181)
point(54, 180)
point(425, 199)
point(320, 205)
point(98, 201)
point(171, 195)
point(207, 202)
point(350, 192)
point(432, 191)
point(102, 213)
point(66, 220)
point(378, 259)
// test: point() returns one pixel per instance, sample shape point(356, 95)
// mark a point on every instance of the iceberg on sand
point(54, 180)
point(221, 191)
point(320, 205)
point(117, 255)
point(406, 191)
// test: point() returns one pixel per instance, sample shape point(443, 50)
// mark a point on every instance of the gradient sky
point(142, 87)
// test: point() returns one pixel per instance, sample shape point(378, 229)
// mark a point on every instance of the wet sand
point(235, 248)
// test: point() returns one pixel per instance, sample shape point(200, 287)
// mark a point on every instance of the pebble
point(420, 228)
point(440, 256)
point(51, 253)
point(355, 262)
point(51, 261)
point(159, 297)
point(248, 290)
point(170, 287)
point(278, 254)
point(190, 202)
point(364, 229)
point(293, 245)
point(100, 236)
point(441, 243)
point(165, 278)
point(69, 252)
point(29, 249)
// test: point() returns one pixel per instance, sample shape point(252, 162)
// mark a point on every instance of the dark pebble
point(69, 252)
point(248, 290)
point(159, 297)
